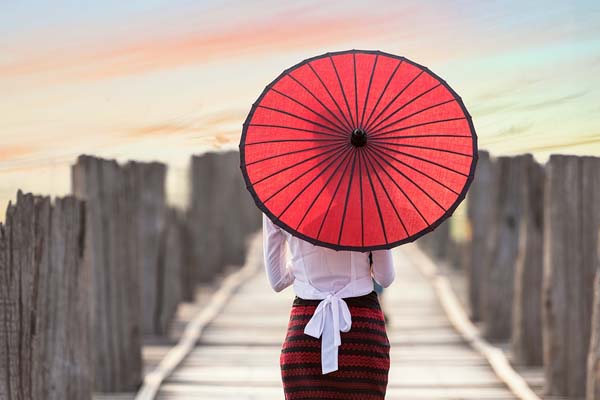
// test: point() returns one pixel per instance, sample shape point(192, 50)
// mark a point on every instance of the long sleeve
point(383, 267)
point(274, 252)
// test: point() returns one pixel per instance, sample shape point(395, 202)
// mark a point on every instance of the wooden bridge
point(237, 354)
point(110, 293)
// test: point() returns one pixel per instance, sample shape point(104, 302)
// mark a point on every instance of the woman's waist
point(369, 300)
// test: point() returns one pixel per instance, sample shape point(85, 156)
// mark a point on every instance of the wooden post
point(44, 352)
point(571, 220)
point(504, 239)
point(170, 266)
point(230, 199)
point(593, 376)
point(481, 203)
point(526, 341)
point(115, 314)
point(202, 221)
point(146, 194)
point(218, 221)
point(436, 243)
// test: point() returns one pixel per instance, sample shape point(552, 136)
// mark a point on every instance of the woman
point(336, 345)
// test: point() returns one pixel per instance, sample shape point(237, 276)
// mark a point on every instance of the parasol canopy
point(358, 150)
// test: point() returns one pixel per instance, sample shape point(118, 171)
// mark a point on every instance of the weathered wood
point(44, 353)
point(221, 213)
point(593, 377)
point(202, 219)
point(481, 203)
point(115, 315)
point(146, 194)
point(436, 243)
point(170, 266)
point(504, 239)
point(571, 220)
point(526, 341)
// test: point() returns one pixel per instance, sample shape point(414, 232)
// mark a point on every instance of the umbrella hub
point(359, 137)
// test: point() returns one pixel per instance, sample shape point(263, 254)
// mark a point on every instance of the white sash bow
point(331, 317)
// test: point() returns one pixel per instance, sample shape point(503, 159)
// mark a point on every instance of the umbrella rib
point(419, 187)
point(349, 125)
point(341, 87)
point(333, 124)
point(458, 153)
point(294, 165)
point(290, 152)
point(300, 118)
point(294, 129)
point(362, 118)
point(321, 172)
point(377, 128)
point(376, 203)
point(360, 190)
point(355, 89)
point(417, 125)
point(368, 158)
point(323, 188)
point(374, 121)
point(422, 173)
point(338, 152)
point(427, 135)
point(294, 140)
point(330, 203)
point(318, 100)
point(419, 158)
point(399, 188)
point(347, 196)
point(383, 92)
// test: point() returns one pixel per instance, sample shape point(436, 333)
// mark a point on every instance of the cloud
point(154, 52)
point(10, 153)
point(576, 141)
point(210, 124)
point(553, 102)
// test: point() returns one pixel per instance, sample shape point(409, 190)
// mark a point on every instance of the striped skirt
point(363, 359)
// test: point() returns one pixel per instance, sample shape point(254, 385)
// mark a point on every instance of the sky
point(162, 80)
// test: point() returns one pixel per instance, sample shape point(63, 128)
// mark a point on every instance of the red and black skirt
point(363, 358)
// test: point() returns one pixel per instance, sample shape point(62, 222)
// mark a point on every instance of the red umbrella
point(358, 150)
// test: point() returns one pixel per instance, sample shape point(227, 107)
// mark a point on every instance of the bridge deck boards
point(238, 354)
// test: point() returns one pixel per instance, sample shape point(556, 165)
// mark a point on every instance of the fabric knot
point(331, 317)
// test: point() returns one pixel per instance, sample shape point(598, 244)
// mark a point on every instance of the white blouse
point(320, 273)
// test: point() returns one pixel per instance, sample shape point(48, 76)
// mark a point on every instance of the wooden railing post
point(571, 219)
point(504, 237)
point(526, 341)
point(44, 348)
point(115, 292)
point(593, 373)
point(481, 203)
point(147, 199)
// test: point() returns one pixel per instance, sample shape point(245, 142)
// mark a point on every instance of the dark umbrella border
point(333, 246)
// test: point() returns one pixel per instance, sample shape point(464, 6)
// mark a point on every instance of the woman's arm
point(383, 267)
point(274, 252)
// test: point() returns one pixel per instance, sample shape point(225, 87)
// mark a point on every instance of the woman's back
point(323, 269)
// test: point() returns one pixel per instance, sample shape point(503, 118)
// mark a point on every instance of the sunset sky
point(162, 80)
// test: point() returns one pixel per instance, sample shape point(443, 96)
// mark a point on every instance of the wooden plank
point(237, 357)
point(571, 220)
point(526, 339)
